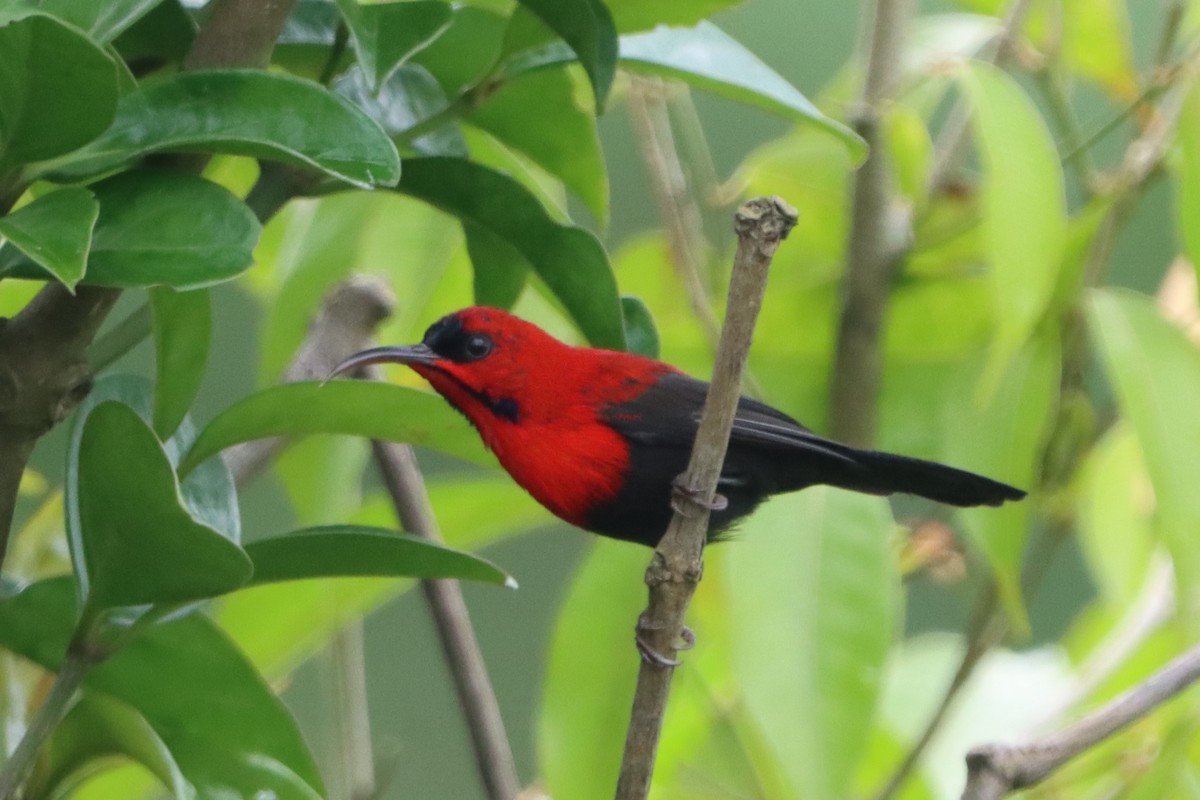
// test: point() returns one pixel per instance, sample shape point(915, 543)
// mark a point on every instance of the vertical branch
point(675, 570)
point(352, 719)
point(493, 754)
point(876, 238)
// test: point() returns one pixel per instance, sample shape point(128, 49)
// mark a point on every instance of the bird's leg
point(680, 493)
point(652, 656)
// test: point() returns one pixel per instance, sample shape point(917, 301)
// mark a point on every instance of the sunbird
point(599, 437)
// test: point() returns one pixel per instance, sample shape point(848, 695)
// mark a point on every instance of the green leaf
point(564, 142)
point(139, 544)
point(357, 408)
point(587, 28)
point(182, 332)
point(580, 733)
point(499, 269)
point(409, 97)
point(279, 625)
point(355, 550)
point(1187, 176)
point(159, 228)
point(55, 231)
point(59, 90)
point(637, 15)
point(1155, 372)
point(1115, 508)
point(813, 583)
point(162, 36)
point(228, 732)
point(639, 327)
point(243, 112)
point(1024, 207)
point(99, 727)
point(570, 260)
point(388, 34)
point(1004, 439)
point(103, 21)
point(706, 57)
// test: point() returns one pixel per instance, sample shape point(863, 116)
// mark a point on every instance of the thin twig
point(677, 564)
point(685, 231)
point(53, 709)
point(949, 146)
point(995, 770)
point(986, 630)
point(352, 721)
point(493, 754)
point(876, 237)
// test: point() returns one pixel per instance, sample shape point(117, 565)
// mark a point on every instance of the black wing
point(769, 452)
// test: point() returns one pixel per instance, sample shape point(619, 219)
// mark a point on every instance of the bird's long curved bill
point(408, 354)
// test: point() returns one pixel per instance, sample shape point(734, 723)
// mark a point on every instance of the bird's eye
point(478, 346)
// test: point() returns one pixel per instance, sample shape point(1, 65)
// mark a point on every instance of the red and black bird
point(598, 437)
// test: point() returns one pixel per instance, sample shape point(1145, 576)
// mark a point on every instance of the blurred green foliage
point(455, 151)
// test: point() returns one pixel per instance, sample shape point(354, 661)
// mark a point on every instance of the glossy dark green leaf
point(55, 231)
point(570, 260)
point(103, 21)
point(640, 332)
point(162, 36)
point(139, 544)
point(228, 733)
point(243, 112)
point(706, 57)
point(59, 89)
point(408, 98)
point(96, 728)
point(354, 550)
point(587, 28)
point(564, 142)
point(208, 490)
point(161, 229)
point(499, 269)
point(467, 52)
point(182, 332)
point(388, 34)
point(357, 408)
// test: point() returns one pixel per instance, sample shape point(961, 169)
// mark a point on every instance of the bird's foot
point(681, 493)
point(652, 656)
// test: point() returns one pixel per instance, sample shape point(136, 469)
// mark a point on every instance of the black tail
point(883, 473)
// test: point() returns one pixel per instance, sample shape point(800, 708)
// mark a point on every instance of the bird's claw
point(680, 493)
point(652, 656)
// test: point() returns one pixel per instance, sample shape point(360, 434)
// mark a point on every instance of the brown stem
point(493, 755)
point(761, 224)
point(995, 770)
point(238, 33)
point(44, 374)
point(877, 236)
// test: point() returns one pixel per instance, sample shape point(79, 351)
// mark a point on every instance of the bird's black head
point(450, 339)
